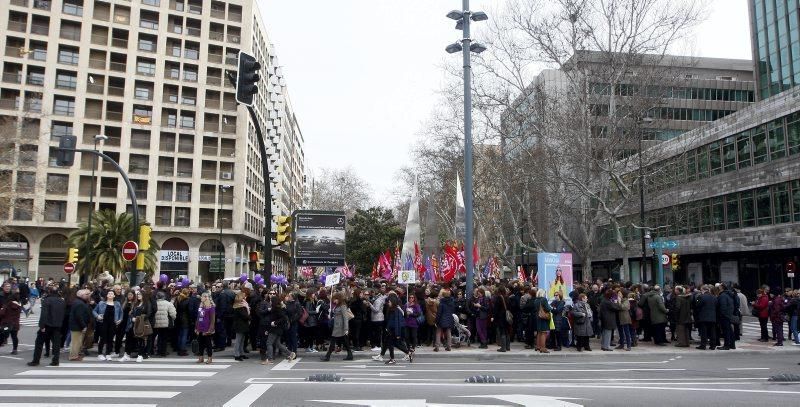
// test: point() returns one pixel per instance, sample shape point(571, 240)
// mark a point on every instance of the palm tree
point(109, 232)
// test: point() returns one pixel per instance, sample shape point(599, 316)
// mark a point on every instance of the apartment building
point(150, 75)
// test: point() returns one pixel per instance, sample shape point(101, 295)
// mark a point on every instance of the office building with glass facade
point(776, 44)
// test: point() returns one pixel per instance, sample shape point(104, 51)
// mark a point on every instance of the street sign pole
point(660, 276)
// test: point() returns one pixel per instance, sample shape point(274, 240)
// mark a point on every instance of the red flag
point(521, 274)
point(450, 262)
point(418, 263)
point(436, 271)
point(386, 265)
point(476, 258)
point(374, 272)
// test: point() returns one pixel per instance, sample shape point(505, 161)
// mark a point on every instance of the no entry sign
point(129, 250)
point(69, 268)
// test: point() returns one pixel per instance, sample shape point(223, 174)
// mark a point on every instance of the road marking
point(184, 360)
point(11, 357)
point(72, 405)
point(286, 364)
point(53, 372)
point(524, 370)
point(748, 368)
point(112, 394)
point(99, 382)
point(138, 366)
point(370, 366)
point(519, 363)
point(530, 400)
point(402, 403)
point(381, 374)
point(248, 396)
point(541, 385)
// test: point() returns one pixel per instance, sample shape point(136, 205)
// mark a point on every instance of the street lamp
point(100, 138)
point(222, 189)
point(645, 233)
point(463, 18)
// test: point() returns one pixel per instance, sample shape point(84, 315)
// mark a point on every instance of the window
point(732, 211)
point(142, 93)
point(783, 211)
point(183, 192)
point(691, 166)
point(145, 67)
point(182, 216)
point(777, 141)
point(187, 122)
point(64, 106)
point(55, 211)
point(764, 206)
point(140, 187)
point(68, 55)
point(796, 200)
point(748, 209)
point(36, 77)
point(163, 216)
point(743, 147)
point(57, 184)
point(759, 146)
point(73, 7)
point(147, 44)
point(190, 75)
point(23, 210)
point(729, 154)
point(59, 129)
point(66, 80)
point(793, 133)
point(26, 182)
point(715, 158)
point(154, 3)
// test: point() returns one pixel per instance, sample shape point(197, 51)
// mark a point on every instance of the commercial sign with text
point(319, 238)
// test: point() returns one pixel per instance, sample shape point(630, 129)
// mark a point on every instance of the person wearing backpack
point(340, 315)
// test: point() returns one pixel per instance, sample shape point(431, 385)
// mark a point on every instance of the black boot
point(349, 356)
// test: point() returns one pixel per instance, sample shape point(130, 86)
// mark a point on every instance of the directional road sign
point(666, 244)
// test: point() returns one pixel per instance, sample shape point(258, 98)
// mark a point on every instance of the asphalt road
point(671, 377)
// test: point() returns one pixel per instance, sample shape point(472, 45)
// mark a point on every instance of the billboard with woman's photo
point(555, 274)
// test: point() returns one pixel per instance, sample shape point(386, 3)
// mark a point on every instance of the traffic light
point(675, 262)
point(253, 261)
point(247, 78)
point(72, 255)
point(144, 245)
point(65, 155)
point(284, 230)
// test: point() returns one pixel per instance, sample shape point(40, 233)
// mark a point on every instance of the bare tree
point(340, 190)
point(18, 139)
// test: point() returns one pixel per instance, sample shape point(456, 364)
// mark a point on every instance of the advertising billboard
point(319, 238)
point(555, 274)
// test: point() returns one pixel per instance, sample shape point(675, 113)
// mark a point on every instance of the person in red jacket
point(776, 317)
point(761, 306)
point(9, 321)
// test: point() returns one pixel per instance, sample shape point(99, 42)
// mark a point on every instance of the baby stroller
point(460, 333)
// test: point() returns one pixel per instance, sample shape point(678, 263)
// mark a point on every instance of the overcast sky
point(363, 74)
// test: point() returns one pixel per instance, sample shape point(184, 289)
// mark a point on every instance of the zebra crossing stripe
point(118, 394)
point(159, 373)
point(99, 382)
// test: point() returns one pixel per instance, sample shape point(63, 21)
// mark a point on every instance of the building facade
point(775, 44)
point(151, 76)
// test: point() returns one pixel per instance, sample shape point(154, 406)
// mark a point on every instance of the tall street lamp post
point(466, 45)
point(644, 231)
point(222, 189)
point(100, 138)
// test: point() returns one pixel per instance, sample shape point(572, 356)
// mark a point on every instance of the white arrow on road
point(401, 403)
point(365, 366)
point(531, 400)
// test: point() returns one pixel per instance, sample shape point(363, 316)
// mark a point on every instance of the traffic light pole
point(267, 252)
point(131, 194)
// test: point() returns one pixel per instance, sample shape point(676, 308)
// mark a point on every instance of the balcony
point(12, 77)
point(194, 9)
point(15, 52)
point(232, 60)
point(74, 35)
point(193, 31)
point(97, 63)
point(208, 174)
point(108, 192)
point(99, 39)
point(207, 198)
point(237, 17)
point(42, 29)
point(215, 58)
point(116, 91)
point(96, 88)
point(209, 150)
point(216, 35)
point(33, 105)
point(212, 103)
point(236, 39)
point(38, 54)
point(41, 4)
point(20, 3)
point(227, 152)
point(213, 80)
point(229, 105)
point(18, 26)
point(10, 104)
point(113, 115)
point(229, 128)
point(218, 13)
point(117, 66)
point(119, 43)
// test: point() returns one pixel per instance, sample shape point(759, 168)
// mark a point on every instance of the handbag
point(509, 315)
point(542, 314)
point(142, 327)
point(195, 347)
point(303, 316)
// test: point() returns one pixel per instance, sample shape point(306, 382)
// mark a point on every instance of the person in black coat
point(444, 319)
point(706, 317)
point(499, 307)
point(79, 316)
point(726, 305)
point(359, 306)
point(50, 321)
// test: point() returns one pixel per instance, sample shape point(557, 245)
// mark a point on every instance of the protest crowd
point(276, 321)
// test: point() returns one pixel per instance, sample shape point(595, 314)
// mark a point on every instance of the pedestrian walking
point(340, 315)
point(10, 312)
point(204, 328)
point(50, 321)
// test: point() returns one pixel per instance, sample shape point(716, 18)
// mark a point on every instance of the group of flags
point(450, 265)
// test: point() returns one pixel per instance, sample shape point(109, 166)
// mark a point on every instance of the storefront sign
point(174, 256)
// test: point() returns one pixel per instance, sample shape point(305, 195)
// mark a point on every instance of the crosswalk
point(106, 384)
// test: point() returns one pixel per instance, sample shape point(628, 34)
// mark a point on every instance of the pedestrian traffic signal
point(72, 255)
point(247, 78)
point(65, 155)
point(284, 230)
point(675, 262)
point(253, 261)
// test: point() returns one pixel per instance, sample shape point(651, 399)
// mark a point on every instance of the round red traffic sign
point(129, 250)
point(69, 268)
point(664, 259)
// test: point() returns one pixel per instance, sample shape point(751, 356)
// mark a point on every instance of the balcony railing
point(207, 198)
point(21, 3)
point(97, 63)
point(12, 77)
point(41, 29)
point(113, 115)
point(167, 146)
point(68, 34)
point(213, 80)
point(208, 174)
point(237, 17)
point(227, 152)
point(17, 26)
point(209, 150)
point(116, 91)
point(99, 39)
point(218, 13)
point(10, 104)
point(117, 66)
point(229, 128)
point(212, 103)
point(215, 58)
point(15, 52)
point(42, 4)
point(119, 42)
point(96, 88)
point(108, 191)
point(216, 35)
point(193, 31)
point(236, 39)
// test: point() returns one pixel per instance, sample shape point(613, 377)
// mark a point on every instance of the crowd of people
point(149, 319)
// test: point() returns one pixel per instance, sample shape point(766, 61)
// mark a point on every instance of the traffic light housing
point(284, 235)
point(65, 155)
point(675, 261)
point(72, 255)
point(253, 261)
point(144, 245)
point(247, 78)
